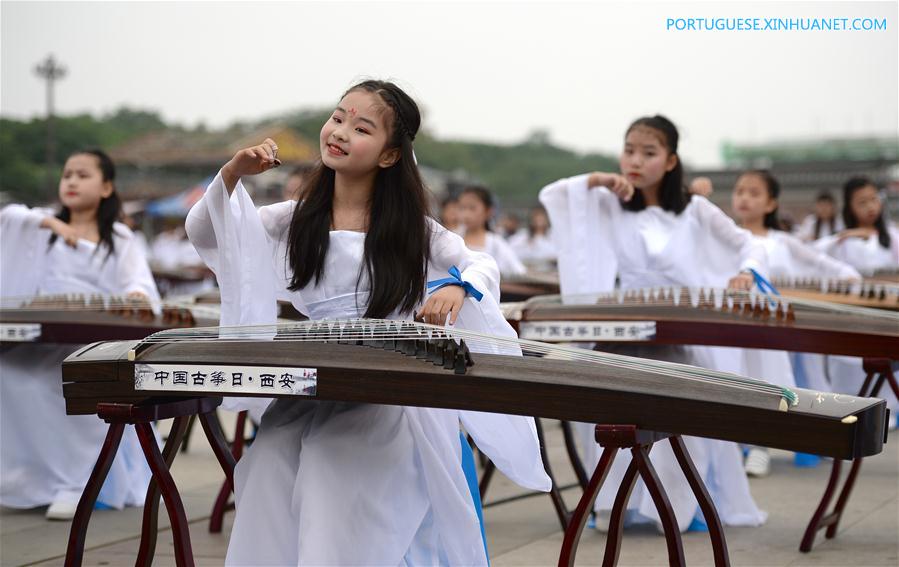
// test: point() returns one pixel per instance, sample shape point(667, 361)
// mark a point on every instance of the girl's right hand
point(251, 161)
point(62, 230)
point(615, 183)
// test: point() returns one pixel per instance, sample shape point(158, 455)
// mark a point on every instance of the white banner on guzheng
point(225, 379)
point(19, 332)
point(570, 331)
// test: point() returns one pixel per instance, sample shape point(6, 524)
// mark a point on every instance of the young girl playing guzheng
point(754, 204)
point(47, 456)
point(476, 204)
point(643, 227)
point(330, 483)
point(869, 243)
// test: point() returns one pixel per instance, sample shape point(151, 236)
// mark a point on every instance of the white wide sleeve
point(23, 245)
point(229, 235)
point(509, 440)
point(828, 245)
point(811, 261)
point(751, 253)
point(582, 233)
point(506, 259)
point(132, 270)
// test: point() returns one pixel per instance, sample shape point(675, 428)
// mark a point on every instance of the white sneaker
point(62, 509)
point(758, 462)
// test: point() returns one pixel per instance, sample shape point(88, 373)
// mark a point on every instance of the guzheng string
point(379, 330)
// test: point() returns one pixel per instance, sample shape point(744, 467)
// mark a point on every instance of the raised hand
point(64, 230)
point(617, 184)
point(250, 161)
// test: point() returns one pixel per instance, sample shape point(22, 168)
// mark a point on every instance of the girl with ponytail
point(641, 228)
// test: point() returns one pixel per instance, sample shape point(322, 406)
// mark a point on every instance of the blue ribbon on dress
point(455, 279)
point(764, 285)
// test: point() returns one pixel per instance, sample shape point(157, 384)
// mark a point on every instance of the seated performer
point(644, 227)
point(47, 456)
point(476, 205)
point(754, 203)
point(328, 483)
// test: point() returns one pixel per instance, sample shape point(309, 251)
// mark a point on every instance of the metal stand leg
point(615, 437)
point(878, 371)
point(78, 531)
point(173, 505)
point(150, 526)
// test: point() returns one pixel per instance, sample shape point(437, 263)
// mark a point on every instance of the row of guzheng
point(872, 293)
point(79, 319)
point(405, 363)
point(708, 316)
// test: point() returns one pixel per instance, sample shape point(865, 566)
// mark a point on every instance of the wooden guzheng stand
point(368, 361)
point(708, 317)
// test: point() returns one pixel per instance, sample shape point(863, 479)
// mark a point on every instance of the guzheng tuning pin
point(421, 349)
point(449, 354)
point(407, 347)
point(434, 351)
point(462, 360)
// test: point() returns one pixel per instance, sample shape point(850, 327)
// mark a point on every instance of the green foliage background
point(515, 172)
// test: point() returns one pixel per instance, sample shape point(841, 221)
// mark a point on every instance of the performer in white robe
point(597, 239)
point(865, 254)
point(534, 245)
point(336, 483)
point(498, 249)
point(477, 206)
point(47, 456)
point(870, 243)
point(754, 203)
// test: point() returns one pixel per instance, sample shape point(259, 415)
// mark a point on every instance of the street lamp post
point(50, 71)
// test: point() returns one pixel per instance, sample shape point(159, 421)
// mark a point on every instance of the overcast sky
point(481, 71)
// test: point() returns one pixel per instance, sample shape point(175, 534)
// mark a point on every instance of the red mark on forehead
point(353, 111)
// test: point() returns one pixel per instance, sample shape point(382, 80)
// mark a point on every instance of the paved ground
point(524, 531)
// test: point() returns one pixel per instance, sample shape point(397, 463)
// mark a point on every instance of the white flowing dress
point(506, 259)
point(867, 256)
point(788, 256)
point(46, 455)
point(597, 239)
point(328, 483)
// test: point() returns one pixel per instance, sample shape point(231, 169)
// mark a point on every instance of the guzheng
point(709, 316)
point(286, 309)
point(872, 293)
point(78, 319)
point(525, 286)
point(405, 363)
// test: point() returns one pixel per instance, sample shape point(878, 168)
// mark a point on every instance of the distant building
point(168, 161)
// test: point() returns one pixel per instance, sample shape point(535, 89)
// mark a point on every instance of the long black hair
point(672, 194)
point(484, 195)
point(397, 244)
point(110, 208)
point(825, 196)
point(849, 218)
point(773, 186)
